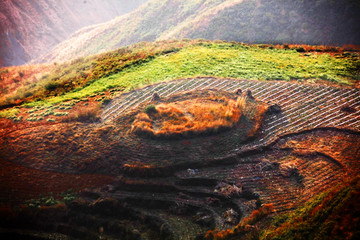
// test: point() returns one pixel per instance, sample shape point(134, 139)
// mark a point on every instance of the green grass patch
point(221, 60)
point(60, 113)
point(50, 200)
point(130, 68)
point(10, 113)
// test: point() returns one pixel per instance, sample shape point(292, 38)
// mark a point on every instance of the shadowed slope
point(29, 29)
point(301, 22)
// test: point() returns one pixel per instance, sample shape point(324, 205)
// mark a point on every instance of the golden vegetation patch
point(202, 115)
point(15, 80)
point(89, 113)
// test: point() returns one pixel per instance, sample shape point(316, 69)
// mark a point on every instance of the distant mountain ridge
point(316, 22)
point(30, 28)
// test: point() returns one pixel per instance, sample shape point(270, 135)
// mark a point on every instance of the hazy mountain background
point(29, 28)
point(316, 22)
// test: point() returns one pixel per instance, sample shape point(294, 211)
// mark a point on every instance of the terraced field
point(181, 188)
point(303, 106)
point(188, 186)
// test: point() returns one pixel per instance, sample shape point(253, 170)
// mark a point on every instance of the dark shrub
point(150, 109)
point(105, 102)
point(28, 94)
point(300, 49)
point(51, 86)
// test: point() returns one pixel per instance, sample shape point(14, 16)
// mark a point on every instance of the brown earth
point(165, 188)
point(19, 183)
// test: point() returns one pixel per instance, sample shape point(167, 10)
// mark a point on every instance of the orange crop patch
point(197, 116)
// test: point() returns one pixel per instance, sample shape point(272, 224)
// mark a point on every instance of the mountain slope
point(30, 28)
point(252, 21)
point(306, 22)
point(71, 132)
point(144, 24)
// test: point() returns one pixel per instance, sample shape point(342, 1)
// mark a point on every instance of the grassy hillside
point(124, 184)
point(146, 63)
point(250, 21)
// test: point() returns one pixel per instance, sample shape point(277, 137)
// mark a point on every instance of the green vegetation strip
point(142, 66)
point(222, 60)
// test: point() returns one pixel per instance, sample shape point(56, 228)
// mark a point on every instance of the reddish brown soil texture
point(175, 188)
point(19, 183)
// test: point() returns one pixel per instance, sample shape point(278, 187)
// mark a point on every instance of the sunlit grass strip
point(10, 113)
point(221, 60)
